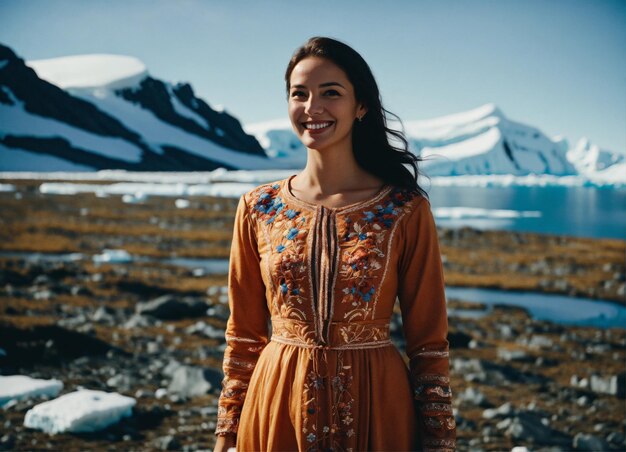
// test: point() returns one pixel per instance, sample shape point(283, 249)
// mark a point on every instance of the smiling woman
point(322, 256)
point(322, 105)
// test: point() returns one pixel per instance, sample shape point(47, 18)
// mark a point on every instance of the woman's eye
point(297, 94)
point(332, 92)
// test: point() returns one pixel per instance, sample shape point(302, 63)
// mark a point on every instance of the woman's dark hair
point(371, 136)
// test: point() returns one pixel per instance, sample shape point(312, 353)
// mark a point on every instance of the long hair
point(371, 137)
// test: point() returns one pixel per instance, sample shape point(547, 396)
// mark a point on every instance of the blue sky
point(559, 65)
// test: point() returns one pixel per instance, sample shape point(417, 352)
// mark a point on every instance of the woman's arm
point(247, 327)
point(421, 292)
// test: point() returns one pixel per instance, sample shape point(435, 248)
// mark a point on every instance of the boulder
point(170, 307)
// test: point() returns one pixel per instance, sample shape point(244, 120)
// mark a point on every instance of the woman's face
point(322, 105)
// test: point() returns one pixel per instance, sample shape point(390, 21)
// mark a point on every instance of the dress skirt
point(368, 406)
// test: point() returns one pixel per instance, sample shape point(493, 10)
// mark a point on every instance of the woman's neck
point(332, 171)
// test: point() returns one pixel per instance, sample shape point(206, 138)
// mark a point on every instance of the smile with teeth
point(316, 125)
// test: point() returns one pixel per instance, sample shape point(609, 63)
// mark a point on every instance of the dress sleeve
point(247, 326)
point(421, 292)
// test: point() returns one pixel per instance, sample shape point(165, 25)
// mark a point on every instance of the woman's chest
point(328, 266)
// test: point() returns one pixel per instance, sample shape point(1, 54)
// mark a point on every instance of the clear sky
point(559, 65)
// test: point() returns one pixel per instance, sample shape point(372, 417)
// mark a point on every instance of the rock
point(506, 332)
point(168, 442)
point(514, 355)
point(529, 427)
point(540, 342)
point(120, 382)
point(613, 385)
point(7, 442)
point(170, 368)
point(160, 393)
point(475, 370)
point(103, 315)
point(153, 347)
point(191, 381)
point(80, 290)
point(219, 311)
point(583, 441)
point(616, 438)
point(502, 411)
point(170, 307)
point(458, 339)
point(204, 329)
point(138, 321)
point(474, 397)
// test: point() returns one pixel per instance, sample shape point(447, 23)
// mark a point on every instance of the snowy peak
point(588, 157)
point(90, 71)
point(118, 118)
point(457, 120)
point(484, 141)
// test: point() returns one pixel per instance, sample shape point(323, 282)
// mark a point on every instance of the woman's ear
point(361, 111)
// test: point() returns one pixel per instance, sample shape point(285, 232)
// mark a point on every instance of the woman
point(319, 259)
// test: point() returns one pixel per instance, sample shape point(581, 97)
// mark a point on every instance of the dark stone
point(170, 307)
point(590, 442)
point(47, 344)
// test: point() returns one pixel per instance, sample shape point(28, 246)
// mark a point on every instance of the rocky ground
point(155, 331)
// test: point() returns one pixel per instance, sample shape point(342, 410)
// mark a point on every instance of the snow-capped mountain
point(484, 141)
point(481, 141)
point(93, 112)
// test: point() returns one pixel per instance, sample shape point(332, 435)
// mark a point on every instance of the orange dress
point(309, 364)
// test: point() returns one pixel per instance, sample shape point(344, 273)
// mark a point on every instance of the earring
point(360, 118)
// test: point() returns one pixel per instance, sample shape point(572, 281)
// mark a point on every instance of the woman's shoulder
point(407, 198)
point(263, 198)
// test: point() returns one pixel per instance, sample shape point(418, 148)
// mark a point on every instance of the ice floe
point(109, 256)
point(19, 387)
point(84, 410)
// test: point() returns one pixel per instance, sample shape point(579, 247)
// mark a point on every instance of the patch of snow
point(7, 187)
point(185, 111)
point(473, 115)
point(80, 411)
point(589, 158)
point(156, 133)
point(223, 189)
point(12, 159)
point(15, 120)
point(91, 71)
point(472, 212)
point(134, 198)
point(19, 387)
point(109, 256)
point(182, 203)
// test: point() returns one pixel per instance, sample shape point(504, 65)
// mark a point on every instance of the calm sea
point(574, 211)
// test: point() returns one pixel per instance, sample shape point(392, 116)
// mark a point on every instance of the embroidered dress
point(309, 364)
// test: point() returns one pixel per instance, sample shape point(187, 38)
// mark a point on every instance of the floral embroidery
point(268, 204)
point(289, 269)
point(363, 243)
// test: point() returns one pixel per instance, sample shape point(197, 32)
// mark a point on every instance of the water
point(555, 308)
point(574, 211)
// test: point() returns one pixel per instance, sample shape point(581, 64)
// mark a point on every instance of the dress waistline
point(341, 335)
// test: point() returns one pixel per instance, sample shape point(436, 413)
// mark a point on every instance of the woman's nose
point(313, 106)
